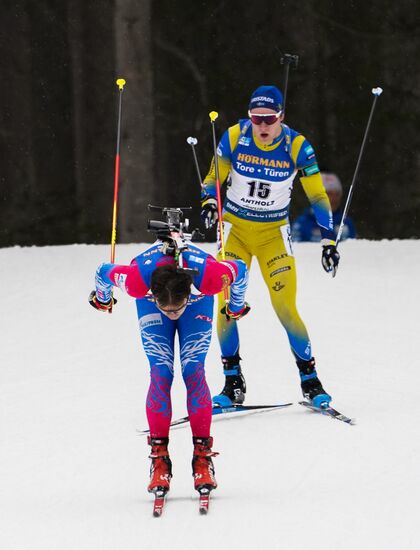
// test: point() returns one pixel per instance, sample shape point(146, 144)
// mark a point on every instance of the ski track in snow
point(73, 470)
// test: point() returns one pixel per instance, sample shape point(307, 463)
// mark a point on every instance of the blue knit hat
point(269, 97)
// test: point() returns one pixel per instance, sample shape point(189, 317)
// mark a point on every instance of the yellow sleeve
point(315, 191)
point(296, 146)
point(225, 148)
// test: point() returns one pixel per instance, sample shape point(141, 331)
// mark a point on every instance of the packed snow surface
point(74, 470)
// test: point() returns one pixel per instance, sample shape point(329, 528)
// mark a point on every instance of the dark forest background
point(60, 59)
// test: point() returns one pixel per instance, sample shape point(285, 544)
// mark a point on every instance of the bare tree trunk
point(92, 98)
point(17, 179)
point(75, 28)
point(134, 64)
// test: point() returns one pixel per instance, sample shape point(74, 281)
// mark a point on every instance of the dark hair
point(170, 286)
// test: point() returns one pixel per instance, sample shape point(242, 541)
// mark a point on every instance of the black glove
point(100, 306)
point(209, 213)
point(330, 258)
point(236, 315)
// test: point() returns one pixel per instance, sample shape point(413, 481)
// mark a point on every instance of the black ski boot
point(235, 388)
point(311, 386)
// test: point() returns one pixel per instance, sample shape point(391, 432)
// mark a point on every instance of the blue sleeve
point(238, 287)
point(103, 282)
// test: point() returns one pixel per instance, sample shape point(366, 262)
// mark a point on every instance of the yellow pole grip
point(120, 83)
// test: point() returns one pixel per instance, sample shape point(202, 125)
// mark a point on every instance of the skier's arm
point(220, 275)
point(314, 190)
point(226, 145)
point(310, 177)
point(304, 157)
point(125, 277)
point(209, 211)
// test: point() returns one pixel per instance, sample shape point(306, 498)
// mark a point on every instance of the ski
point(217, 410)
point(204, 501)
point(242, 408)
point(328, 411)
point(159, 503)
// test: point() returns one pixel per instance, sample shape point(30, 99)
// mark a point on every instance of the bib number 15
point(259, 188)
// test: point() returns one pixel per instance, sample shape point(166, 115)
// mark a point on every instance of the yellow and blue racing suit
point(256, 218)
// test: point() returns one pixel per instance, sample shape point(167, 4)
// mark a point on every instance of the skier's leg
point(157, 333)
point(227, 331)
point(161, 465)
point(278, 268)
point(194, 330)
point(202, 464)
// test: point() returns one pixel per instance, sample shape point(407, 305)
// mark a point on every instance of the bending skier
point(262, 157)
point(161, 280)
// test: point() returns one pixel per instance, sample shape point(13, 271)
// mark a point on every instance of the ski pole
point(213, 116)
point(287, 59)
point(376, 92)
point(120, 83)
point(193, 142)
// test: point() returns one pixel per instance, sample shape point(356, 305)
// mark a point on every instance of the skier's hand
point(236, 315)
point(209, 213)
point(100, 306)
point(330, 258)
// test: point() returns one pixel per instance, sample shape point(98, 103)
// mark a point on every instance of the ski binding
point(204, 500)
point(159, 503)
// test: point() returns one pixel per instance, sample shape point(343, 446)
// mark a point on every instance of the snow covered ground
point(73, 470)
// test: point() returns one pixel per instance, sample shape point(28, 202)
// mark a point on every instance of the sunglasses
point(268, 119)
point(177, 310)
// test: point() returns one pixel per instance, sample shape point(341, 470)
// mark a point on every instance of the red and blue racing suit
point(194, 328)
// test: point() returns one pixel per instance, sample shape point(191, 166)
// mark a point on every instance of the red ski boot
point(161, 467)
point(202, 464)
